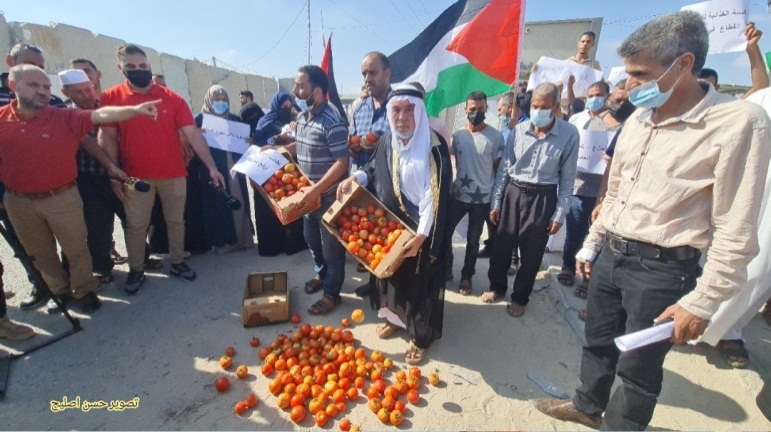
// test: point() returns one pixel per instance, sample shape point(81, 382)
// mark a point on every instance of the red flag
point(332, 95)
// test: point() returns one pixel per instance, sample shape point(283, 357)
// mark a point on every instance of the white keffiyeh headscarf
point(414, 158)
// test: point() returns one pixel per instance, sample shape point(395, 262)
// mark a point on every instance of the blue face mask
point(649, 95)
point(503, 121)
point(220, 107)
point(595, 104)
point(304, 105)
point(540, 117)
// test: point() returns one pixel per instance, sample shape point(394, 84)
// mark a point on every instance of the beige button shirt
point(696, 180)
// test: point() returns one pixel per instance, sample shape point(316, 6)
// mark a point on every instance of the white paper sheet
point(225, 134)
point(554, 71)
point(591, 148)
point(259, 166)
point(645, 337)
point(726, 20)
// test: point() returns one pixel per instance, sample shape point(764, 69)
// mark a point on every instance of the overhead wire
point(355, 19)
point(414, 14)
point(302, 9)
point(402, 15)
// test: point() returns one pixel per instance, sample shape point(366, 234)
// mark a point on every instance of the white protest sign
point(259, 165)
point(591, 148)
point(617, 74)
point(554, 71)
point(225, 134)
point(726, 20)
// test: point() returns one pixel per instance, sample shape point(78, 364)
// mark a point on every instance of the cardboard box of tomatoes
point(371, 233)
point(266, 299)
point(283, 191)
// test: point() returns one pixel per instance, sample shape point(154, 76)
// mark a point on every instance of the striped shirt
point(321, 140)
point(368, 119)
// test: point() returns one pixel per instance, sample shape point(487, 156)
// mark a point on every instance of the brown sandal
point(314, 285)
point(414, 355)
point(465, 287)
point(386, 330)
point(566, 277)
point(325, 305)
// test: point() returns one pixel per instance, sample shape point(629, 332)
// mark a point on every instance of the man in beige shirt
point(585, 44)
point(688, 174)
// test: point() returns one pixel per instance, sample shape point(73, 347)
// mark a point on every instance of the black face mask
point(476, 117)
point(139, 78)
point(285, 114)
point(621, 111)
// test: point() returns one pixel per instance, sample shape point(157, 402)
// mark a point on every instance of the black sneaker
point(363, 291)
point(182, 271)
point(153, 264)
point(52, 308)
point(134, 282)
point(35, 299)
point(88, 303)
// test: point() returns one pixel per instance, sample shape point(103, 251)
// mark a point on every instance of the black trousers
point(477, 214)
point(525, 219)
point(3, 306)
point(100, 206)
point(625, 294)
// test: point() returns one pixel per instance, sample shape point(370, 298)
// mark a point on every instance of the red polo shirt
point(38, 154)
point(150, 149)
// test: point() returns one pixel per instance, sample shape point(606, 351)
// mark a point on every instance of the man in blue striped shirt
point(321, 148)
point(370, 115)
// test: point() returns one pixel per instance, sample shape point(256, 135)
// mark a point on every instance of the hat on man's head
point(73, 76)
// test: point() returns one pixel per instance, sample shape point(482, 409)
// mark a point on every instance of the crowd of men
point(685, 178)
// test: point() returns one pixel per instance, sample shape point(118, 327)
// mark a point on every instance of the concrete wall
point(190, 78)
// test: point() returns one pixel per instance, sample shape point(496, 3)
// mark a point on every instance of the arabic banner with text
point(554, 71)
point(591, 148)
point(259, 166)
point(726, 21)
point(225, 134)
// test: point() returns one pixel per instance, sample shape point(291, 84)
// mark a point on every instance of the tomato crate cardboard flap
point(359, 196)
point(266, 299)
point(287, 210)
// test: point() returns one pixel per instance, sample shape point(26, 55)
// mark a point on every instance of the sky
point(270, 37)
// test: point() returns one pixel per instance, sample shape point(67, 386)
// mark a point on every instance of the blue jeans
point(327, 252)
point(577, 226)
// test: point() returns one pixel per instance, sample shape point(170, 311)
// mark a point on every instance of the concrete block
point(175, 71)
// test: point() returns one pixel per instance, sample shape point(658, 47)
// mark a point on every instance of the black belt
point(625, 246)
point(532, 188)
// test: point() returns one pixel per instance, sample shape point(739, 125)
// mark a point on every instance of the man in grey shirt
point(477, 149)
point(531, 196)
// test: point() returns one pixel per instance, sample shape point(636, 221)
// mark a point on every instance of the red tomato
point(321, 418)
point(222, 384)
point(413, 396)
point(345, 425)
point(297, 414)
point(255, 342)
point(242, 372)
point(414, 371)
point(296, 319)
point(399, 406)
point(251, 400)
point(240, 408)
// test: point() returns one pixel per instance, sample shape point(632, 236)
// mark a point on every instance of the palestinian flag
point(474, 45)
point(332, 95)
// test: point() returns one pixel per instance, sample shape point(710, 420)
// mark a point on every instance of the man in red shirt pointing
point(152, 151)
point(37, 164)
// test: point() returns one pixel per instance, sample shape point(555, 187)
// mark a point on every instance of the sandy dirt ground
point(162, 347)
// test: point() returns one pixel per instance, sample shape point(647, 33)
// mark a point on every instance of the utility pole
point(309, 32)
point(214, 61)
